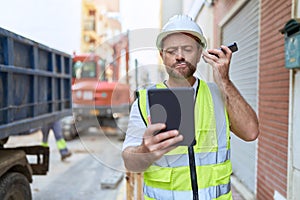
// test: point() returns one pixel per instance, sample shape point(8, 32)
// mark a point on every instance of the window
point(84, 69)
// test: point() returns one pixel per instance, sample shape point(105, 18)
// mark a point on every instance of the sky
point(139, 14)
point(142, 19)
point(51, 22)
point(56, 23)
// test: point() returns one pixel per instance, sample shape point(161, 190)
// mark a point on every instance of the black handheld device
point(233, 48)
point(175, 108)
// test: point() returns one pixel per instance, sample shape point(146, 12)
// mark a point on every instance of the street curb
point(112, 180)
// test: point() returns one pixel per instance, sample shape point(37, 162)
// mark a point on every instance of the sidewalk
point(235, 194)
point(239, 191)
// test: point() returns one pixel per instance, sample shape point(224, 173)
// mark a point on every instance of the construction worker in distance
point(60, 141)
point(219, 109)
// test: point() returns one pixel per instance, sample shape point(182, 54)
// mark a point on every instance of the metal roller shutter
point(243, 28)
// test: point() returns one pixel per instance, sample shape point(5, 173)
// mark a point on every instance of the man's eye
point(188, 49)
point(171, 51)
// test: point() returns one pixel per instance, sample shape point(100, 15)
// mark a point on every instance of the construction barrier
point(134, 186)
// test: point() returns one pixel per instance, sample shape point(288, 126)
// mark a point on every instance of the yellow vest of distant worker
point(169, 177)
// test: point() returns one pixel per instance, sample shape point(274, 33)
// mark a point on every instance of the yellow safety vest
point(169, 177)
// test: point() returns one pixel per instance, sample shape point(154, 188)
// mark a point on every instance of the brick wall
point(273, 101)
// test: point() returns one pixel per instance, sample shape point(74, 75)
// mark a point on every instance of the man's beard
point(181, 74)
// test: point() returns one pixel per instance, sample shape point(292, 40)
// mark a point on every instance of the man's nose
point(179, 54)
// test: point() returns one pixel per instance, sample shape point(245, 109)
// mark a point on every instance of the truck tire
point(3, 142)
point(14, 186)
point(69, 134)
point(68, 128)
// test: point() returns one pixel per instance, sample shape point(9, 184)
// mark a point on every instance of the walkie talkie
point(233, 48)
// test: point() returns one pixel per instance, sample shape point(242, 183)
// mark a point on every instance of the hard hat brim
point(163, 35)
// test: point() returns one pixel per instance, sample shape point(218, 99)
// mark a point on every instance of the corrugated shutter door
point(243, 28)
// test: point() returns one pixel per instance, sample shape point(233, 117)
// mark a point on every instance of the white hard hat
point(181, 24)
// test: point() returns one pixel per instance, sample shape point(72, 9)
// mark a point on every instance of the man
point(218, 109)
point(60, 141)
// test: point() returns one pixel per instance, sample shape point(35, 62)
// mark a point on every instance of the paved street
point(95, 158)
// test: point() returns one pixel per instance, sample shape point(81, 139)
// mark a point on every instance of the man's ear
point(161, 53)
point(199, 55)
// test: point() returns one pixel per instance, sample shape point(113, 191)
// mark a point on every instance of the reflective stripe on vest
point(207, 193)
point(212, 151)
